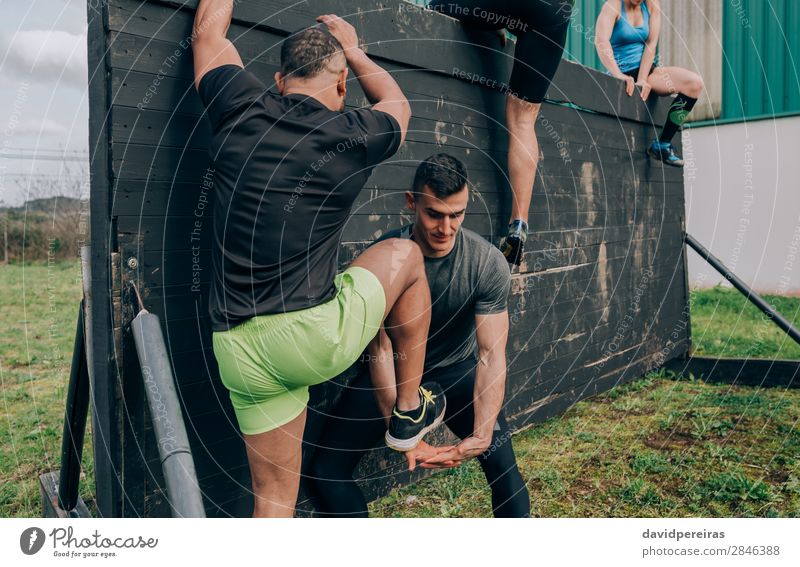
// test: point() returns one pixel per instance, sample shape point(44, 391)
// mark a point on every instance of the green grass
point(661, 446)
point(689, 449)
point(724, 323)
point(40, 308)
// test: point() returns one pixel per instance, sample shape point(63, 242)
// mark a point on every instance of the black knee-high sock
point(678, 111)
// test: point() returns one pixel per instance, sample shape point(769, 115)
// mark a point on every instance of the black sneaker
point(514, 244)
point(407, 428)
point(665, 152)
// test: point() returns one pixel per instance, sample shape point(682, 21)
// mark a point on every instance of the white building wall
point(691, 37)
point(743, 202)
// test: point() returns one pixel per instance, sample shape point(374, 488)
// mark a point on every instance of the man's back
point(287, 171)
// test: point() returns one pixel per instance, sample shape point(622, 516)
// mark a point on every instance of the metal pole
point(74, 423)
point(754, 298)
point(177, 463)
point(86, 278)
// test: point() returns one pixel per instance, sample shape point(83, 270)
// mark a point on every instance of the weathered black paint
point(601, 297)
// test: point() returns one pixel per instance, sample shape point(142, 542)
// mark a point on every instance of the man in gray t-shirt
point(469, 281)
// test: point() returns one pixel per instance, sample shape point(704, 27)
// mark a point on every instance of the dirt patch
point(582, 487)
point(777, 477)
point(669, 441)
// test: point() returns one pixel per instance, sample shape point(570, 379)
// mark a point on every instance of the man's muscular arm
point(210, 47)
point(379, 86)
point(490, 383)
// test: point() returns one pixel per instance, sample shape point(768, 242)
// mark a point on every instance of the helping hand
point(468, 448)
point(423, 452)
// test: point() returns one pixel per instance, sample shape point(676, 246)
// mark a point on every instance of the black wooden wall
point(601, 297)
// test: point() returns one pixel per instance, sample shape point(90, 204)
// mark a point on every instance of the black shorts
point(635, 72)
point(540, 26)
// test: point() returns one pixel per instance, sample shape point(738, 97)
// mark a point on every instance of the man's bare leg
point(275, 458)
point(399, 265)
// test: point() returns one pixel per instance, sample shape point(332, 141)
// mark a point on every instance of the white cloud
point(52, 56)
point(41, 128)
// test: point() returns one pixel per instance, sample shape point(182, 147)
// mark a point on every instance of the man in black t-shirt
point(287, 169)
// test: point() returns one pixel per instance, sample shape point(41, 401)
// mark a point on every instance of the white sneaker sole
point(405, 445)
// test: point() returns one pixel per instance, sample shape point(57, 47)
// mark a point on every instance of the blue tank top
point(627, 41)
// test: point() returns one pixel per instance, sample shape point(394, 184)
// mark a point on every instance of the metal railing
point(754, 298)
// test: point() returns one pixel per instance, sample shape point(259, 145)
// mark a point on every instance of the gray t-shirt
point(474, 279)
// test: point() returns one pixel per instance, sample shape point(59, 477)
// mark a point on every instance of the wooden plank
point(558, 404)
point(178, 233)
point(557, 127)
point(185, 334)
point(394, 31)
point(588, 162)
point(105, 413)
point(549, 373)
point(539, 326)
point(627, 365)
point(182, 268)
point(181, 302)
point(555, 375)
point(551, 193)
point(48, 489)
point(145, 91)
point(203, 394)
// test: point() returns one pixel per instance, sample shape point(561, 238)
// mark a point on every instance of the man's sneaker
point(514, 244)
point(407, 428)
point(665, 152)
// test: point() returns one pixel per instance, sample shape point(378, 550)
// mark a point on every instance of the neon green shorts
point(268, 362)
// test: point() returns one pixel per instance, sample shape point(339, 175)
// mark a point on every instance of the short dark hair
point(442, 173)
point(306, 53)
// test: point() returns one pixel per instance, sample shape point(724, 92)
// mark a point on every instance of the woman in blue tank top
point(627, 36)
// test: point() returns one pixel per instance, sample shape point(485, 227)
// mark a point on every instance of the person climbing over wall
point(626, 41)
point(541, 28)
point(287, 169)
point(466, 357)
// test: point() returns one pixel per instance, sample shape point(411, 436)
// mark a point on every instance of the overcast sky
point(43, 95)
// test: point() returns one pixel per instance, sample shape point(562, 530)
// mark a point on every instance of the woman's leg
point(688, 86)
point(673, 80)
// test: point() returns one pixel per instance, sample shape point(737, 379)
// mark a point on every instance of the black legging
point(540, 26)
point(356, 427)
